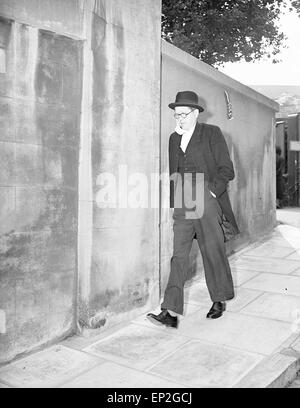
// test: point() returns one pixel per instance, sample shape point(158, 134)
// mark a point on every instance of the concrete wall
point(79, 96)
point(119, 246)
point(40, 96)
point(62, 17)
point(250, 136)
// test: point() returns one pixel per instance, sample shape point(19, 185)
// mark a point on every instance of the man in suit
point(197, 148)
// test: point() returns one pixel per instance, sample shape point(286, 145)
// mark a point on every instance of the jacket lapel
point(197, 136)
point(197, 144)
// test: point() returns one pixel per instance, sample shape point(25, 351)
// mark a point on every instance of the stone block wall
point(40, 96)
point(119, 267)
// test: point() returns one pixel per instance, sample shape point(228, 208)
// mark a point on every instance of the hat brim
point(190, 105)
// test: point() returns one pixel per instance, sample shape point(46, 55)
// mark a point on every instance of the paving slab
point(242, 298)
point(269, 282)
point(47, 368)
point(287, 232)
point(197, 364)
point(296, 273)
point(279, 240)
point(295, 256)
point(275, 306)
point(197, 294)
point(241, 276)
point(4, 386)
point(261, 264)
point(272, 372)
point(112, 375)
point(295, 345)
point(268, 250)
point(288, 216)
point(189, 309)
point(137, 346)
point(81, 340)
point(276, 233)
point(248, 333)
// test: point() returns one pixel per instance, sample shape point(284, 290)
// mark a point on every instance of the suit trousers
point(211, 243)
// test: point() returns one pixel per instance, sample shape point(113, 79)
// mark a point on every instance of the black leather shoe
point(163, 318)
point(216, 310)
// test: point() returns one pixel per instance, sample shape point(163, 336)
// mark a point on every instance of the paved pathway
point(256, 343)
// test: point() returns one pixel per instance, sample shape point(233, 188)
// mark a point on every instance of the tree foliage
point(218, 31)
point(296, 5)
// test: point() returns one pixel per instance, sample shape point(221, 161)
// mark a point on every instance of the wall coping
point(195, 64)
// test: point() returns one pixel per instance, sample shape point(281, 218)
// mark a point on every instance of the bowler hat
point(186, 98)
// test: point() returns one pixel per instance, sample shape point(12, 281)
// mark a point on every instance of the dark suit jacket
point(209, 147)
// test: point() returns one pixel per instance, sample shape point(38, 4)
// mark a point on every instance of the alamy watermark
point(139, 190)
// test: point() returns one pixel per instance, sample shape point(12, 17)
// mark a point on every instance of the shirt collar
point(186, 133)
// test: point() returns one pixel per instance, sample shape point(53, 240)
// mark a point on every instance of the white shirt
point(185, 136)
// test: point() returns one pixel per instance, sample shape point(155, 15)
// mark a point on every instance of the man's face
point(190, 120)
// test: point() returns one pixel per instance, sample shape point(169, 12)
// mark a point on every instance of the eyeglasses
point(182, 115)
